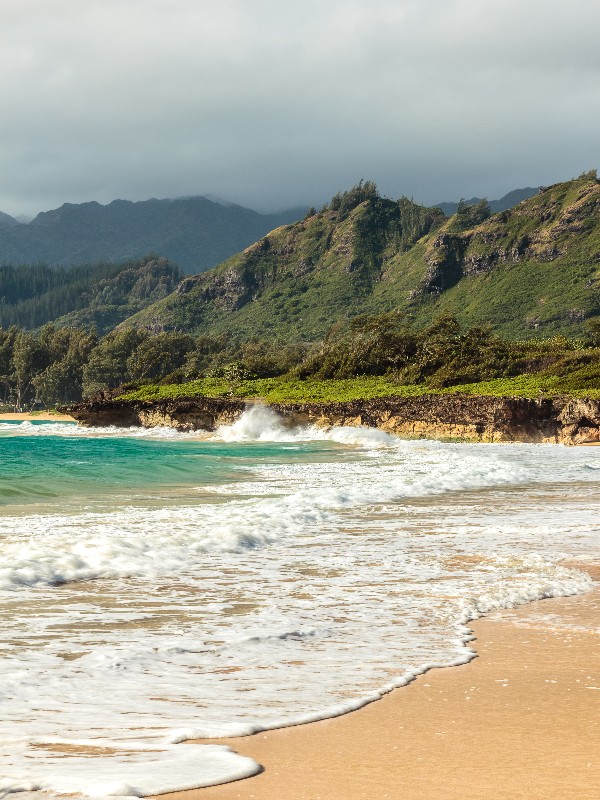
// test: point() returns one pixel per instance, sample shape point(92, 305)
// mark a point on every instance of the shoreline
point(517, 721)
point(452, 417)
point(40, 416)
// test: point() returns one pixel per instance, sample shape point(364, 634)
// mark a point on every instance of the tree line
point(57, 365)
point(35, 294)
point(32, 295)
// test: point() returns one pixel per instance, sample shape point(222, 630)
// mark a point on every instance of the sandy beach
point(39, 416)
point(521, 721)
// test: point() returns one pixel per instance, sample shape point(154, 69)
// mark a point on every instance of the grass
point(280, 390)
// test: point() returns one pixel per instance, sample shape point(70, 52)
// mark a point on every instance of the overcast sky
point(273, 103)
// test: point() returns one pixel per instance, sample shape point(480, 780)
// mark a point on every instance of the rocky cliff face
point(547, 227)
point(475, 419)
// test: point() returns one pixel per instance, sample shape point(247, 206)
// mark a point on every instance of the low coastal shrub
point(279, 390)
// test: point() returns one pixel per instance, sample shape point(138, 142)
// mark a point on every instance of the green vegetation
point(44, 368)
point(503, 204)
point(367, 298)
point(469, 216)
point(302, 278)
point(91, 295)
point(375, 356)
point(279, 390)
point(383, 357)
point(530, 271)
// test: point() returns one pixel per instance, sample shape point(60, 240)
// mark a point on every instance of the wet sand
point(40, 416)
point(520, 722)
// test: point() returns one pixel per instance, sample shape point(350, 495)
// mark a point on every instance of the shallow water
point(158, 586)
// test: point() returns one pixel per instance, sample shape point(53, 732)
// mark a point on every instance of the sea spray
point(261, 424)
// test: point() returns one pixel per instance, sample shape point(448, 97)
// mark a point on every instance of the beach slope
point(520, 722)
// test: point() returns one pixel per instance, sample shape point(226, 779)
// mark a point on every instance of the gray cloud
point(277, 103)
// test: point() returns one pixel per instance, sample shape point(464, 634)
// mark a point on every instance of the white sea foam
point(55, 549)
point(141, 769)
point(257, 424)
point(72, 429)
point(329, 579)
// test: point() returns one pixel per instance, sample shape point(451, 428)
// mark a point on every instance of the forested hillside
point(195, 232)
point(530, 271)
point(92, 295)
point(300, 279)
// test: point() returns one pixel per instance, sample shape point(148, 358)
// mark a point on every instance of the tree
point(345, 202)
point(467, 216)
point(593, 332)
point(29, 357)
point(7, 343)
point(107, 366)
point(68, 349)
point(157, 356)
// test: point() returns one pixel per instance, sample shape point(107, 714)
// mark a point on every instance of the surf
point(255, 577)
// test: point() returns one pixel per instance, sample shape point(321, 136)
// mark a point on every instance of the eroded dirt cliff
point(469, 418)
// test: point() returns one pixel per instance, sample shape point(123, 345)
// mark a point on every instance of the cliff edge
point(470, 418)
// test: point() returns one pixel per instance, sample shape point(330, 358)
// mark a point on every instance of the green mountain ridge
point(530, 271)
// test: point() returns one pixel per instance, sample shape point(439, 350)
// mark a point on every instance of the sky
point(278, 103)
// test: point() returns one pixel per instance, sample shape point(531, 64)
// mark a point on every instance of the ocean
point(158, 586)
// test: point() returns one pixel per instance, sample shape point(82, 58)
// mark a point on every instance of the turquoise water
point(41, 467)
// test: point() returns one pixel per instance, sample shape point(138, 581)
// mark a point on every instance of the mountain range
point(532, 270)
point(503, 204)
point(195, 232)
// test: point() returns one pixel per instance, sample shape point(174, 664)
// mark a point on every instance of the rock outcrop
point(463, 417)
